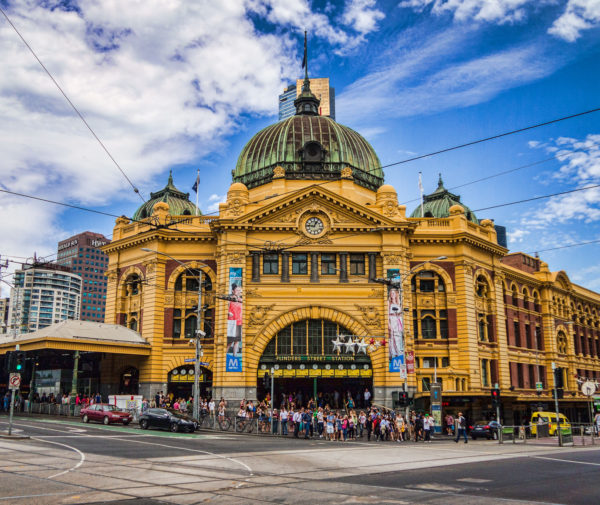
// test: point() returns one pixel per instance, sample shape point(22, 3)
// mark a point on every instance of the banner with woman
point(396, 325)
point(233, 355)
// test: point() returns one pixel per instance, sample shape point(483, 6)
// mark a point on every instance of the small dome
point(386, 189)
point(438, 204)
point(179, 202)
point(238, 186)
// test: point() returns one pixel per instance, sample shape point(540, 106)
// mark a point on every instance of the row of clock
point(328, 366)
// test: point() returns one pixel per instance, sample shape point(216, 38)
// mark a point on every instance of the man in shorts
point(330, 420)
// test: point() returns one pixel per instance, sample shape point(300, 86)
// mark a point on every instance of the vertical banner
point(396, 326)
point(233, 357)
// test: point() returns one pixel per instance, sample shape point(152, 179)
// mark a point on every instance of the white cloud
point(361, 15)
point(214, 200)
point(493, 11)
point(161, 84)
point(516, 236)
point(579, 15)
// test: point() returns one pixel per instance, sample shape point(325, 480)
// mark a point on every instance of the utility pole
point(199, 334)
point(558, 427)
point(272, 399)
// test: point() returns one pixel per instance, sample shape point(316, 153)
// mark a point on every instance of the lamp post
point(396, 282)
point(198, 334)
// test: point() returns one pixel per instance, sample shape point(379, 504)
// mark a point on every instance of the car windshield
point(177, 413)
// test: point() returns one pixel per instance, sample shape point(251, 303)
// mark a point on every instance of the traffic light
point(9, 359)
point(558, 378)
point(267, 381)
point(403, 398)
point(19, 362)
point(495, 397)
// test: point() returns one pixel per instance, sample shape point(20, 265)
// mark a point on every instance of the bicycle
point(244, 424)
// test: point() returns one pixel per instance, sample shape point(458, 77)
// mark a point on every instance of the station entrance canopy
point(80, 336)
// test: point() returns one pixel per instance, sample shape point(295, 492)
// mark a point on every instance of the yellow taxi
point(548, 418)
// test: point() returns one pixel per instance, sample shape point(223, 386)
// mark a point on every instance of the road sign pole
point(12, 408)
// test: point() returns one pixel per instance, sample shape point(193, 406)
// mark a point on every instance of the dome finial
point(440, 182)
point(306, 104)
point(170, 180)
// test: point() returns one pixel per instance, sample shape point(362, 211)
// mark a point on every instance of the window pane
point(176, 328)
point(328, 264)
point(357, 264)
point(299, 337)
point(284, 341)
point(428, 327)
point(190, 327)
point(444, 328)
point(299, 264)
point(427, 285)
point(271, 264)
point(314, 336)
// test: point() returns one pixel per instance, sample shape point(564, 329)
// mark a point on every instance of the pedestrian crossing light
point(496, 397)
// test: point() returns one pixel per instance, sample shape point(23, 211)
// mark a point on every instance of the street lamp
point(199, 332)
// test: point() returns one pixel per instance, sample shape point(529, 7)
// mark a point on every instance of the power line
point(565, 246)
point(486, 139)
point(135, 189)
point(537, 198)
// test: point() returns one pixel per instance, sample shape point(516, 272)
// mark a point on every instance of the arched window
point(428, 325)
point(185, 312)
point(311, 337)
point(133, 285)
point(482, 288)
point(515, 296)
point(483, 336)
point(132, 322)
point(427, 281)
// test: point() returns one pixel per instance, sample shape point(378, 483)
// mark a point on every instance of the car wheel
point(174, 427)
point(106, 420)
point(144, 424)
point(125, 423)
point(85, 419)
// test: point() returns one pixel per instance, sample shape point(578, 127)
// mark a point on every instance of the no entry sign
point(14, 381)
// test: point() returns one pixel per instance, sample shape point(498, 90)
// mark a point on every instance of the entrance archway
point(181, 381)
point(307, 365)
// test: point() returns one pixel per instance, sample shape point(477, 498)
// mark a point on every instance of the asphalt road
point(69, 462)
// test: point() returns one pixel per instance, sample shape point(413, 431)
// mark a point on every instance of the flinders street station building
point(312, 271)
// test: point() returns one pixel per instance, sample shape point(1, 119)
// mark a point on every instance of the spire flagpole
point(305, 59)
point(421, 191)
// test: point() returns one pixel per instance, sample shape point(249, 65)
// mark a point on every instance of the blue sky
point(184, 85)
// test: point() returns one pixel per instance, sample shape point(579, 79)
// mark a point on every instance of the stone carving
point(253, 292)
point(376, 293)
point(150, 268)
point(236, 256)
point(169, 299)
point(392, 258)
point(278, 173)
point(346, 173)
point(235, 207)
point(258, 314)
point(390, 208)
point(370, 314)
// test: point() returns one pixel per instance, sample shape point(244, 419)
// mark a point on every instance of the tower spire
point(306, 104)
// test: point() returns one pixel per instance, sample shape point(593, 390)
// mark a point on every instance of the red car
point(102, 412)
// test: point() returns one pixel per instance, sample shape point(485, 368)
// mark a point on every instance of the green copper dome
point(179, 202)
point(308, 147)
point(438, 204)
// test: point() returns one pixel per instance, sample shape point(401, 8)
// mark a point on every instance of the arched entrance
point(181, 381)
point(129, 383)
point(306, 365)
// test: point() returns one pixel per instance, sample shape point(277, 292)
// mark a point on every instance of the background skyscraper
point(319, 87)
point(82, 254)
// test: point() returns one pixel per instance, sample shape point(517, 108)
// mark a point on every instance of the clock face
point(314, 226)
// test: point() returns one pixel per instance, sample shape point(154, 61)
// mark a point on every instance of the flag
point(195, 186)
point(304, 59)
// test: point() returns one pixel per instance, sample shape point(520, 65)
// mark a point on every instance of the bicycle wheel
point(249, 428)
point(225, 424)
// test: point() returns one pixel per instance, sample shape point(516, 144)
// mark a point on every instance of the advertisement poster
point(233, 356)
point(410, 361)
point(396, 327)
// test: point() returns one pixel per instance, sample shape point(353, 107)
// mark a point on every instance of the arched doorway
point(181, 381)
point(305, 365)
point(129, 383)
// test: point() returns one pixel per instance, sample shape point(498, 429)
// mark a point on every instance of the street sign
point(192, 360)
point(539, 386)
point(14, 381)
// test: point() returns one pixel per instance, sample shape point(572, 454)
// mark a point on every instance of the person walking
point(461, 427)
point(426, 429)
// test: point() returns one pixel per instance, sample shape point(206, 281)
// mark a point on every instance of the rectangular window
point(426, 285)
point(328, 264)
point(270, 264)
point(445, 362)
point(314, 337)
point(443, 323)
point(425, 383)
point(428, 363)
point(357, 264)
point(299, 264)
point(517, 329)
point(528, 336)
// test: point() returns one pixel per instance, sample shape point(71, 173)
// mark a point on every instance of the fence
point(576, 434)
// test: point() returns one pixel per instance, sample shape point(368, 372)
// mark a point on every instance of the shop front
point(181, 382)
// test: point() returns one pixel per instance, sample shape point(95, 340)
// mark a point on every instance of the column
point(285, 266)
point(372, 266)
point(255, 266)
point(343, 267)
point(314, 267)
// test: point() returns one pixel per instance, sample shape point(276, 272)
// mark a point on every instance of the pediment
point(342, 212)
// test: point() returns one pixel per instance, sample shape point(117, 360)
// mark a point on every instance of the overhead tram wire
point(577, 244)
point(135, 189)
point(537, 198)
point(486, 139)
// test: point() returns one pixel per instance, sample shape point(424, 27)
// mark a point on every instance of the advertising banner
point(233, 357)
point(410, 361)
point(396, 326)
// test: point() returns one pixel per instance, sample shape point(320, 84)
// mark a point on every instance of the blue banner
point(396, 325)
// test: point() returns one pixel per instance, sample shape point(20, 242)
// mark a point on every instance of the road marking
point(473, 480)
point(436, 487)
point(31, 496)
point(567, 460)
point(81, 455)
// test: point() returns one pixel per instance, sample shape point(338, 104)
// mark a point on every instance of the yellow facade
point(471, 347)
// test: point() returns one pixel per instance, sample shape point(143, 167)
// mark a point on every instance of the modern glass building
point(43, 294)
point(286, 102)
point(319, 87)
